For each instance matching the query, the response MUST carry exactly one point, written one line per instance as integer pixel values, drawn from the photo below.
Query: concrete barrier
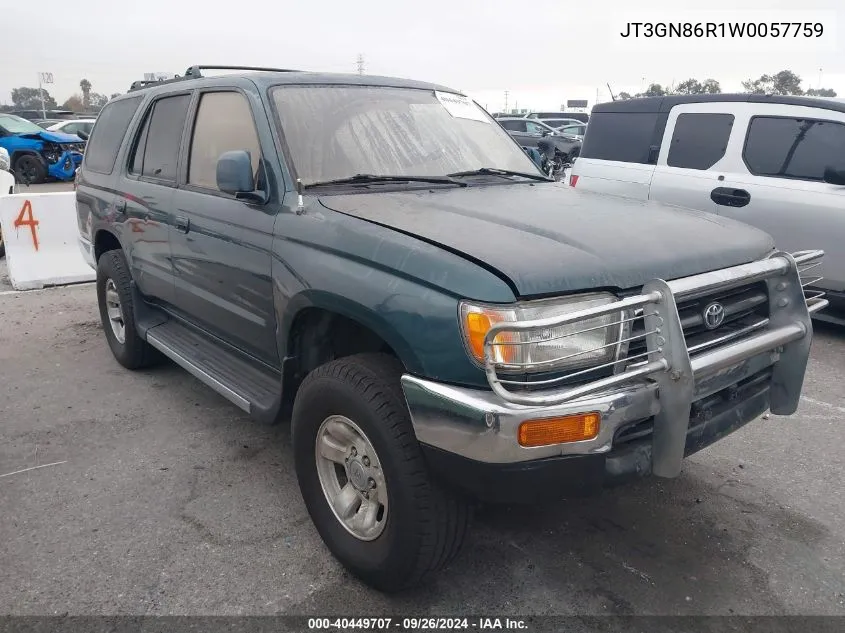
(7, 183)
(40, 234)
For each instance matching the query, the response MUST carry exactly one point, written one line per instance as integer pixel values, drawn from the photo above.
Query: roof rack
(195, 72)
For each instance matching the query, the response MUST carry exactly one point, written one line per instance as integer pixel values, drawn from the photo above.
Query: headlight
(584, 343)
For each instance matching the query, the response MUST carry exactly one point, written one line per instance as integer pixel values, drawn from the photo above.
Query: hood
(548, 238)
(53, 137)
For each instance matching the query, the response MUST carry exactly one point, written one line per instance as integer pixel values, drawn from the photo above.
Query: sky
(541, 52)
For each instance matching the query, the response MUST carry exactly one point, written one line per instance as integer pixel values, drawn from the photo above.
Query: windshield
(17, 125)
(336, 132)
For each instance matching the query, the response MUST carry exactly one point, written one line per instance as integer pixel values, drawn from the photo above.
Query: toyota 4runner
(446, 323)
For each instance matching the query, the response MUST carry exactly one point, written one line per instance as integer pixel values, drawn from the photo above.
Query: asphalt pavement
(157, 496)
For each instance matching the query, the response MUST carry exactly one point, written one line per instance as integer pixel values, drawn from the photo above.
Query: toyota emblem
(714, 315)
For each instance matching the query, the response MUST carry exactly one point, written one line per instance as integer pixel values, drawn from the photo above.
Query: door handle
(730, 197)
(183, 224)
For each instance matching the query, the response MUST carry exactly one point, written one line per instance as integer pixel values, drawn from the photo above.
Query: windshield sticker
(460, 106)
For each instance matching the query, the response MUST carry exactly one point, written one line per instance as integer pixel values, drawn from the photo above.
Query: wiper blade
(499, 172)
(364, 179)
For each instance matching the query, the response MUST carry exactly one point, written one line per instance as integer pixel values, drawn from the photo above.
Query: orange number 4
(25, 218)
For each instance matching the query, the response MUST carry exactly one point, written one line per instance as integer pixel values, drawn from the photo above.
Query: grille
(746, 308)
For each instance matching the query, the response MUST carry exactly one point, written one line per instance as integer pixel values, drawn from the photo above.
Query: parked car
(37, 153)
(74, 126)
(529, 133)
(33, 115)
(775, 162)
(446, 322)
(45, 123)
(582, 117)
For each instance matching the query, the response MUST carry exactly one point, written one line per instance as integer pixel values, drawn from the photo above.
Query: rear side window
(102, 148)
(514, 126)
(535, 128)
(786, 147)
(224, 123)
(699, 140)
(156, 152)
(620, 136)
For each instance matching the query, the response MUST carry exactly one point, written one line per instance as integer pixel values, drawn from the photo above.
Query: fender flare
(352, 310)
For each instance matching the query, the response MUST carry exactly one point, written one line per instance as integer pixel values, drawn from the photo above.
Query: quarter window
(224, 123)
(699, 140)
(785, 147)
(620, 136)
(106, 138)
(514, 126)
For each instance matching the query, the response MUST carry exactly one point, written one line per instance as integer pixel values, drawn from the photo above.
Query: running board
(251, 387)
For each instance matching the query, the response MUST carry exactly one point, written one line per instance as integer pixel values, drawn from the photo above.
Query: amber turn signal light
(569, 428)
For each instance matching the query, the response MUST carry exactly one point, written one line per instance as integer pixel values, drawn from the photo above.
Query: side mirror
(545, 133)
(834, 176)
(234, 176)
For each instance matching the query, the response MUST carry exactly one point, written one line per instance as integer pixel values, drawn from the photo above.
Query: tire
(113, 277)
(30, 170)
(2, 245)
(424, 525)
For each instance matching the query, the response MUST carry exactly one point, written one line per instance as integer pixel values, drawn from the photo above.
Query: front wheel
(30, 170)
(363, 477)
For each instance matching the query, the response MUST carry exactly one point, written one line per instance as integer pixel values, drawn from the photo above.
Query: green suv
(445, 323)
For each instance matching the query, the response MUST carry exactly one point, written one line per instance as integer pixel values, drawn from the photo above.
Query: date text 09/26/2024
(417, 624)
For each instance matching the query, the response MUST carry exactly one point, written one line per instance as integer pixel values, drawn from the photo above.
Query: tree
(711, 87)
(623, 96)
(785, 82)
(116, 94)
(653, 90)
(74, 103)
(85, 86)
(696, 87)
(30, 99)
(821, 92)
(689, 87)
(96, 101)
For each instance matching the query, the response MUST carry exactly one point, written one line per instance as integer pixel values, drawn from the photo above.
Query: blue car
(38, 154)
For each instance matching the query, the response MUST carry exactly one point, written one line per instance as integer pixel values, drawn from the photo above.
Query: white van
(775, 162)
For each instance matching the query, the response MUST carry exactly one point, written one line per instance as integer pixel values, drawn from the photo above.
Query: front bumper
(65, 167)
(688, 400)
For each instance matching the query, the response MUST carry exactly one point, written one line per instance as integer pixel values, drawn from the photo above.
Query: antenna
(612, 96)
(360, 62)
(506, 101)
